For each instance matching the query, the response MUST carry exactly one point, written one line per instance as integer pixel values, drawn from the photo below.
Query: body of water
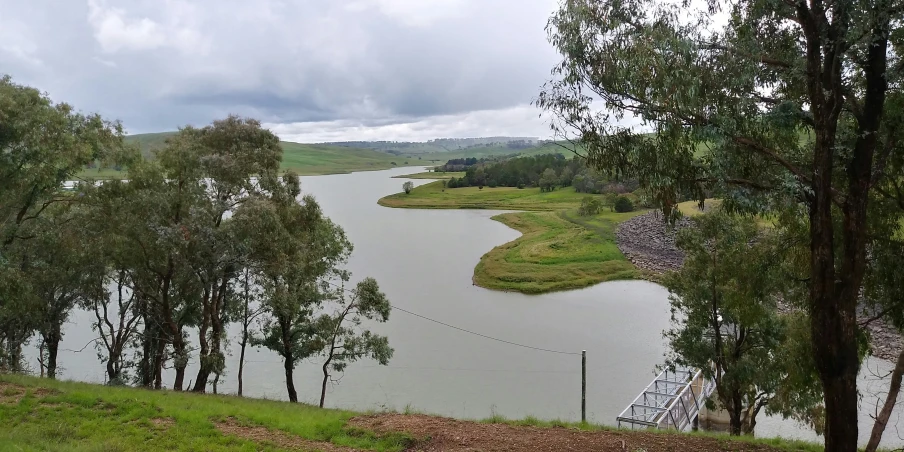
(424, 262)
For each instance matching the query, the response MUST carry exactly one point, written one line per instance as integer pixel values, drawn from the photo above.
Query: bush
(590, 205)
(623, 204)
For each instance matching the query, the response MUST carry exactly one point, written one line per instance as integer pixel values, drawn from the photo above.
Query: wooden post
(584, 386)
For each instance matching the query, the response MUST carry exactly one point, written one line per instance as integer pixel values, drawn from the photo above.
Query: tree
(590, 205)
(345, 344)
(407, 186)
(723, 302)
(788, 99)
(548, 180)
(623, 204)
(250, 311)
(566, 177)
(297, 251)
(43, 144)
(55, 259)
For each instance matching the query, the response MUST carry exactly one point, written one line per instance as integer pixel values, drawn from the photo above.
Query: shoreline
(649, 243)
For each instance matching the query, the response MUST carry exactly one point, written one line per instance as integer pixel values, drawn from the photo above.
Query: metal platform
(671, 401)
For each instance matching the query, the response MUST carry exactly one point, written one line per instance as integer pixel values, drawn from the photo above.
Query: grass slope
(45, 415)
(557, 251)
(66, 416)
(434, 196)
(305, 159)
(431, 175)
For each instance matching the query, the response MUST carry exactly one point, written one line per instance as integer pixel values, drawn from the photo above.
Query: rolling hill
(305, 159)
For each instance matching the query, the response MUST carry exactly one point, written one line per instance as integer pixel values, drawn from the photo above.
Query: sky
(310, 70)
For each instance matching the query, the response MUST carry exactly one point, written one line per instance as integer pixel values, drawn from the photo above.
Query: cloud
(522, 120)
(160, 64)
(116, 31)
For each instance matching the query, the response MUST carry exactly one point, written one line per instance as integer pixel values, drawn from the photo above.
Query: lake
(424, 261)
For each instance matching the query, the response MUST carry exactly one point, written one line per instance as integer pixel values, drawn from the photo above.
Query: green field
(431, 175)
(66, 416)
(305, 159)
(434, 196)
(557, 251)
(45, 415)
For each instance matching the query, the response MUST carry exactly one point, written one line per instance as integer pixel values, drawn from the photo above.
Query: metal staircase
(671, 401)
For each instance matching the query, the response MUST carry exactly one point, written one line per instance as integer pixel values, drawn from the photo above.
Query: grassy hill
(305, 159)
(45, 415)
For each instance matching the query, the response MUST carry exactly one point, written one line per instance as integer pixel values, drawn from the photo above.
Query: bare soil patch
(232, 427)
(163, 423)
(451, 435)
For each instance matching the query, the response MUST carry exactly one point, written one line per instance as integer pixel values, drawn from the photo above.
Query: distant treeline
(546, 171)
(442, 144)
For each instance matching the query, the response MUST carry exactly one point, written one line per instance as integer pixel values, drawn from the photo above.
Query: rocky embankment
(649, 243)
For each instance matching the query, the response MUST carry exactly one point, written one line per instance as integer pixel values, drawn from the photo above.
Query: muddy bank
(649, 243)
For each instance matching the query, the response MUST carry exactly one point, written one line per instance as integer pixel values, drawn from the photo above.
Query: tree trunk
(290, 384)
(158, 363)
(112, 373)
(53, 345)
(242, 359)
(326, 377)
(734, 415)
(890, 400)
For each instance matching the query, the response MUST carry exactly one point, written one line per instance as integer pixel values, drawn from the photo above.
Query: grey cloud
(159, 64)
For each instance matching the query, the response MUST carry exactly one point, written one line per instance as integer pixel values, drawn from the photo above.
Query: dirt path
(444, 434)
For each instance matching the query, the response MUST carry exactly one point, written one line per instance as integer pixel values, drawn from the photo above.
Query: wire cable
(468, 331)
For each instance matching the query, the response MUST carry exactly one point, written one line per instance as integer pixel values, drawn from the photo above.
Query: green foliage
(724, 301)
(346, 341)
(590, 206)
(786, 110)
(623, 204)
(407, 186)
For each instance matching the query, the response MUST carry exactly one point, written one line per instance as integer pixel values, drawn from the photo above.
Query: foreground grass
(431, 175)
(434, 196)
(557, 251)
(82, 417)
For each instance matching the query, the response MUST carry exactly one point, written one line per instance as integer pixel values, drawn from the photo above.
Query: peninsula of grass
(431, 175)
(434, 196)
(558, 250)
(45, 415)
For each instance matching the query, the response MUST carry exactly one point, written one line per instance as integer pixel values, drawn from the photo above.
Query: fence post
(584, 386)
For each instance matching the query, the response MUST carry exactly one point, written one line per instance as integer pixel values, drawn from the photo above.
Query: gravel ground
(649, 244)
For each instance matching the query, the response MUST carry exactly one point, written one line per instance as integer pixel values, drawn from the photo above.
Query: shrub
(623, 204)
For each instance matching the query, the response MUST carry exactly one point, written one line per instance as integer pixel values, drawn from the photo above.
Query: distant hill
(305, 159)
(443, 144)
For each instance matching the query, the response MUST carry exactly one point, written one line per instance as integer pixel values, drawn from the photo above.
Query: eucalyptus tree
(297, 251)
(238, 159)
(344, 340)
(725, 321)
(771, 104)
(249, 308)
(42, 144)
(55, 260)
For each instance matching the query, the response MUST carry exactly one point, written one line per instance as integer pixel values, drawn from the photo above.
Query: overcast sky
(312, 70)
